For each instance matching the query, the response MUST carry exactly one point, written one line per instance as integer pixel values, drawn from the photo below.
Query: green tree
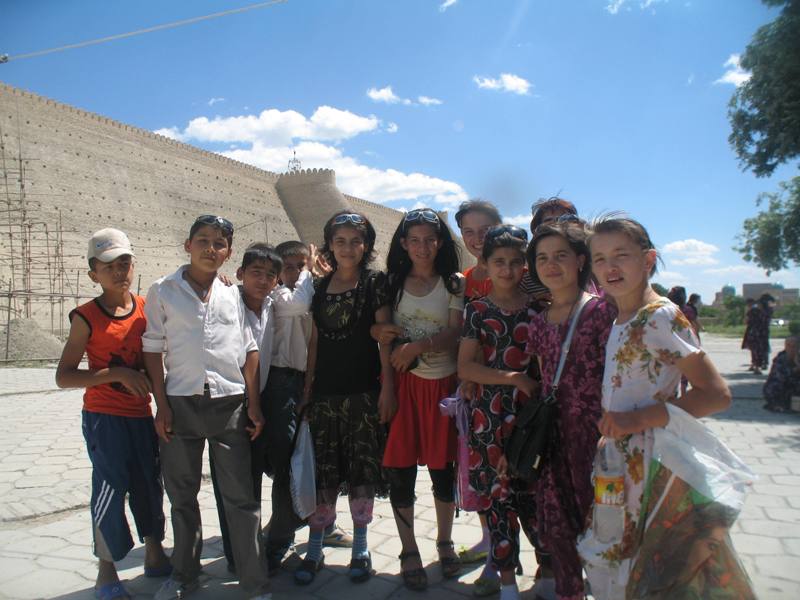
(765, 111)
(659, 289)
(734, 310)
(771, 239)
(765, 118)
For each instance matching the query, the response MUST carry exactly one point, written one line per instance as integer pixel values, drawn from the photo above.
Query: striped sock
(314, 551)
(359, 541)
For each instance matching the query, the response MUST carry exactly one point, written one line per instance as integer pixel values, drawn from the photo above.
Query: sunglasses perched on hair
(565, 218)
(352, 218)
(215, 221)
(512, 230)
(422, 214)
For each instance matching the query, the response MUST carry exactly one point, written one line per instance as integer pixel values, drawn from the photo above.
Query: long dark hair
(364, 227)
(398, 264)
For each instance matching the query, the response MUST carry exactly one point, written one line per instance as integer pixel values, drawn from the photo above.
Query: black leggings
(402, 481)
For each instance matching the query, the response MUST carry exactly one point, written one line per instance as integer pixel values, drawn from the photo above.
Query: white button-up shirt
(263, 330)
(292, 323)
(203, 342)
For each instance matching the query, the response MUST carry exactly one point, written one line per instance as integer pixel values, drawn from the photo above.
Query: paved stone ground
(45, 539)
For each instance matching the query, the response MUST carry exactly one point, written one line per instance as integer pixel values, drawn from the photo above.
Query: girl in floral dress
(497, 326)
(650, 345)
(559, 257)
(346, 404)
(426, 296)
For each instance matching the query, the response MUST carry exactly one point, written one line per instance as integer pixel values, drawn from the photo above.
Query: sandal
(360, 569)
(155, 572)
(486, 586)
(307, 571)
(468, 556)
(414, 579)
(451, 566)
(110, 591)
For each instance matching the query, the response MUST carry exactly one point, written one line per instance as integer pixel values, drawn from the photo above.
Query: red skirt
(419, 433)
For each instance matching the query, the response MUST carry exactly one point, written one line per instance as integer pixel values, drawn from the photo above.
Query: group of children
(365, 357)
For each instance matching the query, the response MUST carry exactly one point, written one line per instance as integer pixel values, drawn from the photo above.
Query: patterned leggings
(504, 518)
(325, 514)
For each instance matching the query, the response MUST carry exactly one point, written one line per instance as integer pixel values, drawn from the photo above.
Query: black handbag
(534, 428)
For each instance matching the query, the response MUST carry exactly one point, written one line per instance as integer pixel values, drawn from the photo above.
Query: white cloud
(387, 96)
(277, 127)
(507, 82)
(691, 252)
(522, 220)
(669, 278)
(735, 75)
(268, 139)
(744, 270)
(428, 101)
(614, 6)
(446, 4)
(214, 101)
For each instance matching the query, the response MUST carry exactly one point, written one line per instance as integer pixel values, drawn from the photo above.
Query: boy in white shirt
(258, 275)
(198, 325)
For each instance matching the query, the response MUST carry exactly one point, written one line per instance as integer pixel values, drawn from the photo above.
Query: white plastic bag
(303, 473)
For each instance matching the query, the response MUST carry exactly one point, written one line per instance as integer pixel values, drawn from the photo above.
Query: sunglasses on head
(216, 221)
(512, 230)
(423, 215)
(352, 218)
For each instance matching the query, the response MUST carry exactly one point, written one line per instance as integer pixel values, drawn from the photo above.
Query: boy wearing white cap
(117, 421)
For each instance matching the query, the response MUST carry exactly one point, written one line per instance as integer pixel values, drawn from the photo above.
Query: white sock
(509, 592)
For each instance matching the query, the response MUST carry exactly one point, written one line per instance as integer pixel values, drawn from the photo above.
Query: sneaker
(172, 589)
(338, 538)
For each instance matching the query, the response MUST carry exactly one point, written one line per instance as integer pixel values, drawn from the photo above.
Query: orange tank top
(114, 342)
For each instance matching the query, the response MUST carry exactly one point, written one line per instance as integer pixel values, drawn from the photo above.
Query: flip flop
(110, 591)
(467, 556)
(154, 572)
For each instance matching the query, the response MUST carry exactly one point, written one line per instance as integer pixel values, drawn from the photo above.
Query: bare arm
(251, 381)
(311, 365)
(68, 375)
(154, 366)
(387, 401)
(469, 369)
(446, 340)
(709, 394)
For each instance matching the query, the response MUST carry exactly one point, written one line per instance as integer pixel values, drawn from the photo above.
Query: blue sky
(616, 104)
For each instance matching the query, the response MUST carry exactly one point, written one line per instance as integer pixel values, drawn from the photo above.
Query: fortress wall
(100, 173)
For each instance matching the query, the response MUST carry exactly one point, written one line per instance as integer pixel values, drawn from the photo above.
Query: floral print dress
(640, 371)
(564, 490)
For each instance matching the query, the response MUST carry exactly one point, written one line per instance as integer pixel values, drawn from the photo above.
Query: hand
(525, 384)
(387, 404)
(385, 333)
(136, 382)
(502, 466)
(318, 266)
(225, 279)
(619, 424)
(163, 423)
(469, 390)
(257, 420)
(403, 356)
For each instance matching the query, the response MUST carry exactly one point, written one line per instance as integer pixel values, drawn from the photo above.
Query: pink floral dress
(564, 491)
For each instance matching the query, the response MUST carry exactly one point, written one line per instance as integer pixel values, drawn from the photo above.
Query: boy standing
(258, 276)
(211, 360)
(117, 422)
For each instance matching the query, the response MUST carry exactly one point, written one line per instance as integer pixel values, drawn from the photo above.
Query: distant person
(548, 210)
(197, 330)
(758, 332)
(749, 303)
(677, 295)
(692, 312)
(117, 422)
(784, 378)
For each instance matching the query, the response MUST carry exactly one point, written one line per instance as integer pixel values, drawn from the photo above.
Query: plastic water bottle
(608, 521)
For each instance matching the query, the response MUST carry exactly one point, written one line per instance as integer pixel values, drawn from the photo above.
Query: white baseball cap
(108, 244)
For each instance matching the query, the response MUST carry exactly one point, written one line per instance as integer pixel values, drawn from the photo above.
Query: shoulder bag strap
(568, 340)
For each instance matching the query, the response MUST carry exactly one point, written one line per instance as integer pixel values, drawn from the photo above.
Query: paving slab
(45, 527)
